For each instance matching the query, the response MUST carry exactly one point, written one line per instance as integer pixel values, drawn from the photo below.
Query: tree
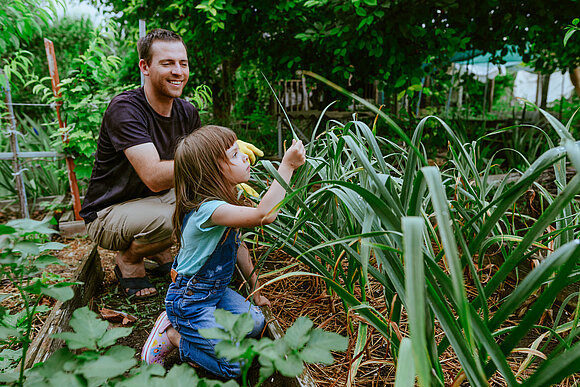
(22, 19)
(219, 35)
(396, 42)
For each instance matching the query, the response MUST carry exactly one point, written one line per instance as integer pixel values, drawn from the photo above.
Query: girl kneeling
(208, 214)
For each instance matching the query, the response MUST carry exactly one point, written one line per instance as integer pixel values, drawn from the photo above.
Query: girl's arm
(247, 268)
(242, 216)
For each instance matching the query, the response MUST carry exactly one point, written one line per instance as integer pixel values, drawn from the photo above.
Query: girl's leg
(193, 347)
(188, 317)
(237, 304)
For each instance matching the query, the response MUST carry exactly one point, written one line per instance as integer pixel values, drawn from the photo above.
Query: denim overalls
(191, 302)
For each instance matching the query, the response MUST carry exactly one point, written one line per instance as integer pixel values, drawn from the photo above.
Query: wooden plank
(90, 273)
(72, 228)
(29, 155)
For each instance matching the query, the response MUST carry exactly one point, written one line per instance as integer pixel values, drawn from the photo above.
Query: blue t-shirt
(197, 242)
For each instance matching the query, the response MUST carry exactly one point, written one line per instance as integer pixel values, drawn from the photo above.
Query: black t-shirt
(128, 121)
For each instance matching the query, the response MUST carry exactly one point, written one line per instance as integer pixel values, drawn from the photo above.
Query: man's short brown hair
(144, 44)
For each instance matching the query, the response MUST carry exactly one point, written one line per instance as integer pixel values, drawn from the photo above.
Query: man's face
(169, 69)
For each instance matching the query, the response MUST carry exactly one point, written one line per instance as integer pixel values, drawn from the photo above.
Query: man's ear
(143, 66)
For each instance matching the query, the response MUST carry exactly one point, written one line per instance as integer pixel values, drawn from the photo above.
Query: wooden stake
(14, 146)
(70, 164)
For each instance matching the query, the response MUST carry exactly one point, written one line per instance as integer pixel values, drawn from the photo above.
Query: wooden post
(142, 33)
(304, 94)
(14, 146)
(70, 164)
(279, 127)
(491, 91)
(538, 89)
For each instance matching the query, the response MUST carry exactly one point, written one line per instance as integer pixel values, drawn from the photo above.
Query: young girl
(208, 213)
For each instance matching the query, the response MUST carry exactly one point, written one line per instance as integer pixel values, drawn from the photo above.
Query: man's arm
(155, 173)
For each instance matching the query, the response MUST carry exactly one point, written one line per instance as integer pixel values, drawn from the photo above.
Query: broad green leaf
(107, 367)
(181, 376)
(4, 229)
(59, 379)
(52, 246)
(110, 337)
(27, 248)
(215, 333)
(9, 377)
(243, 326)
(299, 333)
(291, 366)
(229, 350)
(329, 340)
(88, 329)
(8, 332)
(58, 292)
(316, 355)
(146, 376)
(45, 260)
(225, 319)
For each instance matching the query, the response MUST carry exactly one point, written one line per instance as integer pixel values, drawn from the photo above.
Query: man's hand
(250, 150)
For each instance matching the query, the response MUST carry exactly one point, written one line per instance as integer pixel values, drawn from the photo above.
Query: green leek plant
(42, 177)
(365, 208)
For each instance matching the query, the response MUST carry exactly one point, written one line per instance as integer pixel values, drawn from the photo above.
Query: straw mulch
(70, 256)
(307, 296)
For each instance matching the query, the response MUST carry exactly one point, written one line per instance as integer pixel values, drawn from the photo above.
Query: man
(129, 201)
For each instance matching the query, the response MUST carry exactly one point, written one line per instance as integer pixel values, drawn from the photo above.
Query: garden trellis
(15, 154)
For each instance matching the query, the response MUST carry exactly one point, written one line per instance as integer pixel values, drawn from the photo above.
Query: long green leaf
(415, 288)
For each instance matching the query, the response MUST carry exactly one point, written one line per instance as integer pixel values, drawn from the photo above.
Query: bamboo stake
(14, 146)
(70, 164)
(142, 33)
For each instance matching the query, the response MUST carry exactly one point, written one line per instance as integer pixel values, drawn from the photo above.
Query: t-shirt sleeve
(205, 212)
(127, 125)
(195, 120)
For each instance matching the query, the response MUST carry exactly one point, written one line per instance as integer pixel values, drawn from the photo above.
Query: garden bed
(291, 298)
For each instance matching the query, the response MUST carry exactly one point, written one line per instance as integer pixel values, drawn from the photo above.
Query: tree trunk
(223, 89)
(575, 78)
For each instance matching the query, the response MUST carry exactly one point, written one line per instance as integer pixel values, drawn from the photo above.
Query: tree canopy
(395, 42)
(20, 20)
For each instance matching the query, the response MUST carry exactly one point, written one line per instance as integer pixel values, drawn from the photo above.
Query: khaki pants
(145, 221)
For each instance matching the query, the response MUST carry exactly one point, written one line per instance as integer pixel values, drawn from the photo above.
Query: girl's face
(237, 169)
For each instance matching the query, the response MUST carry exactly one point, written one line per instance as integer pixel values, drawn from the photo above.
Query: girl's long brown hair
(198, 175)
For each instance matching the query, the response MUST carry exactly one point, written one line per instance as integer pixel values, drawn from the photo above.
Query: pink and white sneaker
(157, 345)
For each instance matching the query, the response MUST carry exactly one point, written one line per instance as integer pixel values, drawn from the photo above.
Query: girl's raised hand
(295, 156)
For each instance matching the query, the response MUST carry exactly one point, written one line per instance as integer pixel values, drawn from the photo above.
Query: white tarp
(526, 84)
(482, 72)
